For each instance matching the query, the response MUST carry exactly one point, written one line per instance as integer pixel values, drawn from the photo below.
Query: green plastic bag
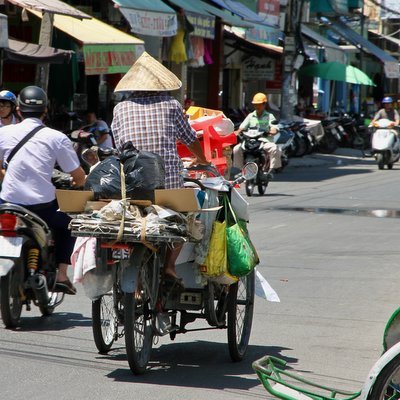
(242, 255)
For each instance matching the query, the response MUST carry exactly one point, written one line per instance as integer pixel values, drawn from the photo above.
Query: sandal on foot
(66, 287)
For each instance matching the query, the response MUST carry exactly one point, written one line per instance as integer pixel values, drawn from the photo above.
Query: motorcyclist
(8, 104)
(100, 129)
(27, 181)
(260, 119)
(387, 112)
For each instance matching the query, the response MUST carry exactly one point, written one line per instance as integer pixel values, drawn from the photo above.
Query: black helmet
(32, 99)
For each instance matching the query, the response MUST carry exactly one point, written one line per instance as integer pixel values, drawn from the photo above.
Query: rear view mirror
(250, 170)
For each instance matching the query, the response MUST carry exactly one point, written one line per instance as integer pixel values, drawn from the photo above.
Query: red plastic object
(211, 142)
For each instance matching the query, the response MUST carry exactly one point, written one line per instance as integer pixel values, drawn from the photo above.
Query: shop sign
(263, 34)
(110, 59)
(150, 23)
(270, 10)
(204, 26)
(261, 69)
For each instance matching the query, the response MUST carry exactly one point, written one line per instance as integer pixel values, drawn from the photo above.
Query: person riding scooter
(8, 104)
(260, 119)
(387, 112)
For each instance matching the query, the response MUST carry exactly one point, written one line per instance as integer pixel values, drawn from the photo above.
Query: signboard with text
(261, 69)
(110, 59)
(150, 23)
(204, 26)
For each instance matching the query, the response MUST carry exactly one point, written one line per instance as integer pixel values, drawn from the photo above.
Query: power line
(384, 7)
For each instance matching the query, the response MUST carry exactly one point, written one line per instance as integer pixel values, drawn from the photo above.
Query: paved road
(336, 272)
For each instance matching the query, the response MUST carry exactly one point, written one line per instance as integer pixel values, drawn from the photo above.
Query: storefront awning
(106, 49)
(250, 47)
(239, 9)
(391, 65)
(50, 6)
(226, 17)
(333, 52)
(30, 53)
(149, 17)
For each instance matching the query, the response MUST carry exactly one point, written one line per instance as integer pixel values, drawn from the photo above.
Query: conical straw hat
(147, 74)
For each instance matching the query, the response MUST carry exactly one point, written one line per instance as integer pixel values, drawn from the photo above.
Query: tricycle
(133, 300)
(382, 383)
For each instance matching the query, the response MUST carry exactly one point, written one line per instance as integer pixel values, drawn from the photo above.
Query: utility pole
(291, 58)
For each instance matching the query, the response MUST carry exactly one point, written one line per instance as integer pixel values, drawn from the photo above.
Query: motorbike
(385, 145)
(252, 146)
(284, 139)
(28, 269)
(383, 380)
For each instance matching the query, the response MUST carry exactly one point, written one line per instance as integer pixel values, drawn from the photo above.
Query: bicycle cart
(137, 304)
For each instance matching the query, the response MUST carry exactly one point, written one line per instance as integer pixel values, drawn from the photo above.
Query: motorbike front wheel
(11, 286)
(387, 384)
(380, 160)
(249, 188)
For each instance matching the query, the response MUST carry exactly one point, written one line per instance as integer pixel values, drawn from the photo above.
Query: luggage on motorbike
(144, 172)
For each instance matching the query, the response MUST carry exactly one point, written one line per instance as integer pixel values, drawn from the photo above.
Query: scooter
(28, 269)
(252, 146)
(383, 380)
(385, 144)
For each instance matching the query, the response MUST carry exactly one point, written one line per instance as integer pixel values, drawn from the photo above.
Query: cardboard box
(195, 112)
(73, 200)
(181, 200)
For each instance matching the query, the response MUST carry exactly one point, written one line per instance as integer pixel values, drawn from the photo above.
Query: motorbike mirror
(250, 170)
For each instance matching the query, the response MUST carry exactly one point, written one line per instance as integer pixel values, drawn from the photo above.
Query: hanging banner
(110, 58)
(150, 23)
(204, 26)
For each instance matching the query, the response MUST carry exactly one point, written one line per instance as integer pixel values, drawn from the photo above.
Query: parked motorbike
(284, 139)
(385, 144)
(28, 269)
(252, 146)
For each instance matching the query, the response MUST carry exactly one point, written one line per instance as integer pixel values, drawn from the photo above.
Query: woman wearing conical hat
(153, 121)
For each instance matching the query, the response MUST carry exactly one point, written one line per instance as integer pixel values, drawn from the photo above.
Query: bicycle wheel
(104, 322)
(240, 315)
(139, 312)
(387, 384)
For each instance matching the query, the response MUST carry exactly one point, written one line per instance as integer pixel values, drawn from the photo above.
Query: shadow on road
(58, 321)
(200, 364)
(319, 174)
